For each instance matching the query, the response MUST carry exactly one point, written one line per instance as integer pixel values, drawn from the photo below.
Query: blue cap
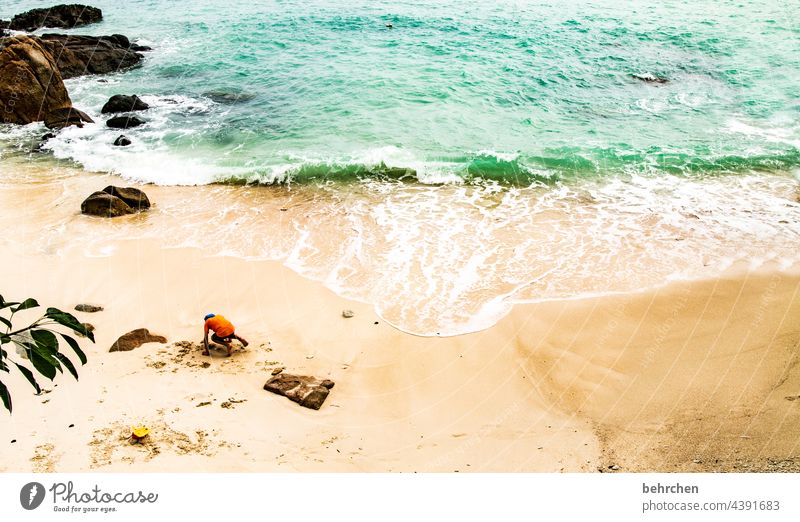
(207, 317)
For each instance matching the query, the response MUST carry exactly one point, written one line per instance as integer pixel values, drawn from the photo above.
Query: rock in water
(134, 197)
(30, 83)
(135, 339)
(60, 118)
(105, 205)
(347, 314)
(123, 103)
(125, 122)
(306, 391)
(88, 308)
(77, 55)
(61, 16)
(649, 78)
(122, 141)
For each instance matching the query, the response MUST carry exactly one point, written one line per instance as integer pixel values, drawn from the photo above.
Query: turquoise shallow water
(513, 91)
(488, 153)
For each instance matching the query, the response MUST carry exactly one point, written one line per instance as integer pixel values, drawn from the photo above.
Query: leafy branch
(39, 341)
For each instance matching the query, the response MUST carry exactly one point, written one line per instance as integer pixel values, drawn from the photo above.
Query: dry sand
(694, 376)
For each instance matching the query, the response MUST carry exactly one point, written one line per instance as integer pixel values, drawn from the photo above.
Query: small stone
(347, 314)
(71, 425)
(88, 308)
(206, 403)
(13, 441)
(614, 468)
(276, 371)
(310, 356)
(697, 461)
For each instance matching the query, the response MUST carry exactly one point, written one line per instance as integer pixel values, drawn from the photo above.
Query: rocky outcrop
(125, 122)
(123, 103)
(122, 141)
(78, 55)
(65, 16)
(60, 118)
(31, 86)
(306, 391)
(115, 201)
(135, 339)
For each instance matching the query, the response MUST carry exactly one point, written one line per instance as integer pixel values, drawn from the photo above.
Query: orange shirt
(221, 326)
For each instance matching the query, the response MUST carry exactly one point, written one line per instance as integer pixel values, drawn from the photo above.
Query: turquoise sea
(483, 152)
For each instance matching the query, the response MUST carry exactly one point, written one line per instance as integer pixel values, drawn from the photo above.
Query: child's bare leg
(229, 348)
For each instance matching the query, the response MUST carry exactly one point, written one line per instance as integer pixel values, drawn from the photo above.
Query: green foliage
(40, 343)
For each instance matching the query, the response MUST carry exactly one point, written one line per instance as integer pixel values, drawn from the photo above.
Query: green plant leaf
(7, 304)
(68, 364)
(3, 356)
(68, 320)
(26, 304)
(4, 339)
(5, 396)
(75, 347)
(5, 322)
(29, 375)
(46, 340)
(43, 362)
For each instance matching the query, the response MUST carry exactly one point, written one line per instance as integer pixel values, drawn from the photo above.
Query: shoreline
(532, 393)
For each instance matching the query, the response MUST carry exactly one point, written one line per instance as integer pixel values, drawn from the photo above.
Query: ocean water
(474, 154)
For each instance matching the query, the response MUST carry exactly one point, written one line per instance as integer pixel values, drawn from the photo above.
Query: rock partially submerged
(306, 391)
(125, 122)
(31, 86)
(135, 339)
(77, 55)
(64, 16)
(649, 78)
(60, 118)
(115, 201)
(124, 103)
(122, 141)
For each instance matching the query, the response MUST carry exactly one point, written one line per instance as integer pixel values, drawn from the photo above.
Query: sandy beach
(692, 376)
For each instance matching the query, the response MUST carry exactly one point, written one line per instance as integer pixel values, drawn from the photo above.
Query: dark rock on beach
(64, 16)
(115, 201)
(30, 83)
(78, 55)
(306, 391)
(4, 27)
(60, 118)
(125, 122)
(124, 103)
(133, 197)
(135, 339)
(88, 308)
(105, 205)
(122, 141)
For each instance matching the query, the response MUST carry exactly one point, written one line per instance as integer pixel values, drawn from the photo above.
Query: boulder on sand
(125, 122)
(134, 197)
(77, 55)
(123, 103)
(135, 339)
(122, 141)
(64, 16)
(115, 201)
(306, 391)
(104, 204)
(31, 86)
